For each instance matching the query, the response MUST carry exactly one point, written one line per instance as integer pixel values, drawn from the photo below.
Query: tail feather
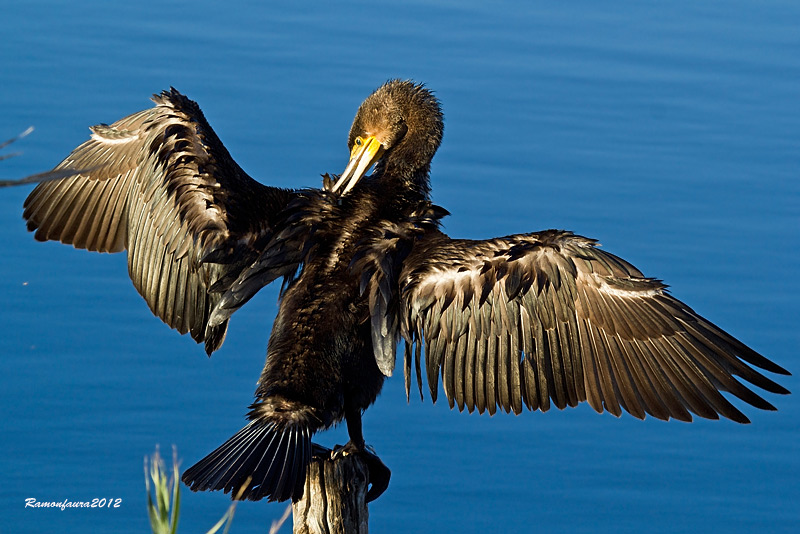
(235, 463)
(282, 468)
(301, 461)
(218, 470)
(275, 458)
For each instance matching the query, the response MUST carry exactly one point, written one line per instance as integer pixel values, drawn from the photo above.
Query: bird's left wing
(534, 319)
(161, 185)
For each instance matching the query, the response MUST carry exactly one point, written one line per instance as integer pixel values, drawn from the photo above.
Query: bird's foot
(318, 451)
(340, 451)
(378, 474)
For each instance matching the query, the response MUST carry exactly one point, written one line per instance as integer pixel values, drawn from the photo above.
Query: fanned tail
(275, 458)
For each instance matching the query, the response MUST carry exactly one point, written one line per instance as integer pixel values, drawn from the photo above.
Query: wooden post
(334, 498)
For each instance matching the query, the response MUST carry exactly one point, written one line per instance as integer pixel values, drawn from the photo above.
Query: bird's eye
(359, 141)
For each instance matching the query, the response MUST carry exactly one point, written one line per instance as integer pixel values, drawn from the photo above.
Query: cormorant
(528, 320)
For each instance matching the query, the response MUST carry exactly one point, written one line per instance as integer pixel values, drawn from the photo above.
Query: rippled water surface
(669, 131)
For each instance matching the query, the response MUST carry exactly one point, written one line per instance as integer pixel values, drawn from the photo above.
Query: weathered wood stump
(334, 499)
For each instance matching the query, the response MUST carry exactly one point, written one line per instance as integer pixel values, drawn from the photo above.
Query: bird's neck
(410, 185)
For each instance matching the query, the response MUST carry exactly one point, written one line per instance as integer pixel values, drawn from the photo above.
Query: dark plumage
(163, 187)
(525, 320)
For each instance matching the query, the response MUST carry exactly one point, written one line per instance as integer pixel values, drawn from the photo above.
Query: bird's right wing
(530, 319)
(160, 184)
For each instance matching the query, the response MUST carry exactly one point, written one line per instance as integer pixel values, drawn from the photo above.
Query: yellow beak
(362, 157)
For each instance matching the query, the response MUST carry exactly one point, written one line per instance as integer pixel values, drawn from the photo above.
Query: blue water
(669, 131)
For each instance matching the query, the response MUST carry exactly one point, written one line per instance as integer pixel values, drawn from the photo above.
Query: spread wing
(160, 184)
(547, 318)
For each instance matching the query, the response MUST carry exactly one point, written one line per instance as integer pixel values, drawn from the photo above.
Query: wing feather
(459, 370)
(161, 185)
(591, 373)
(470, 357)
(417, 367)
(503, 371)
(530, 393)
(480, 373)
(542, 318)
(490, 374)
(449, 371)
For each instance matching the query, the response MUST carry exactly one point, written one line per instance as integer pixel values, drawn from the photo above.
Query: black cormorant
(527, 320)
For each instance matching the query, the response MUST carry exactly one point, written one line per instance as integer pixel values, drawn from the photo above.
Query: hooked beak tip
(361, 160)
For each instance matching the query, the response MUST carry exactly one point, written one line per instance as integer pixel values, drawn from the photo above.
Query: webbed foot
(379, 474)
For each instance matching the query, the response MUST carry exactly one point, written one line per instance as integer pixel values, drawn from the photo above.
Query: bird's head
(398, 129)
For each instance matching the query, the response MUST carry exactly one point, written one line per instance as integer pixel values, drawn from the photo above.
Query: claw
(340, 451)
(378, 474)
(318, 451)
